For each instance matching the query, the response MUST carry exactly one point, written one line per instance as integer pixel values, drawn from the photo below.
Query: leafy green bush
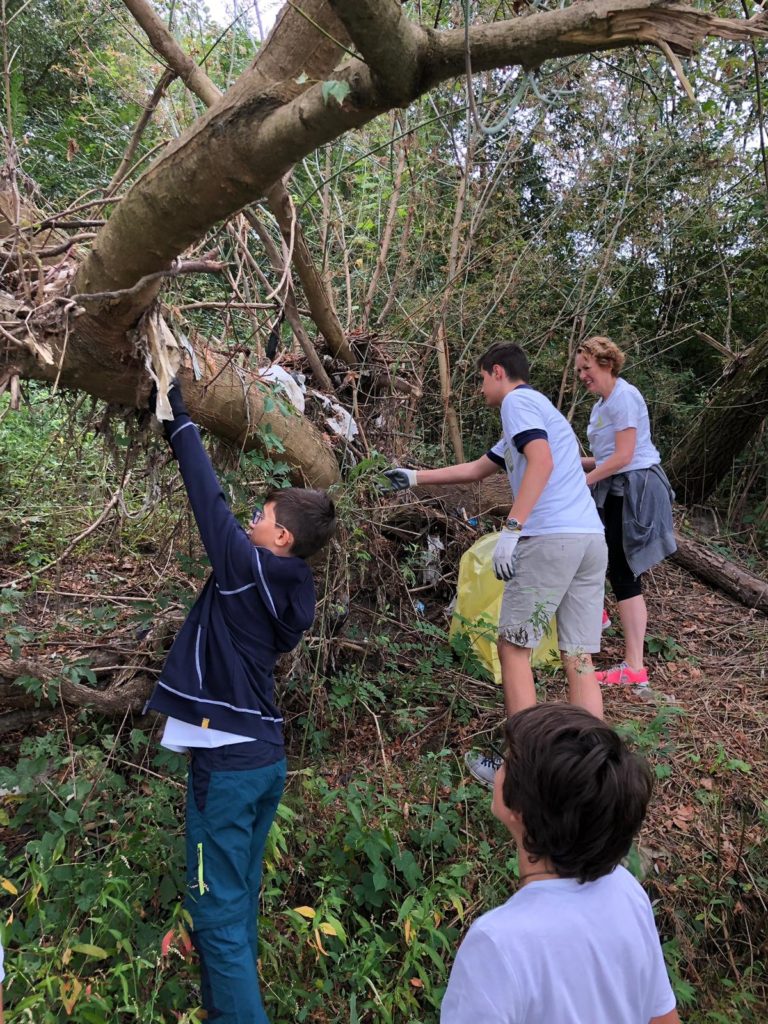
(366, 886)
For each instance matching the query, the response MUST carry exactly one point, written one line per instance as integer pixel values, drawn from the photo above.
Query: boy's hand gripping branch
(175, 398)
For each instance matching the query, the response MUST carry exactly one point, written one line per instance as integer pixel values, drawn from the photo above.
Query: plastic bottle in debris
(430, 560)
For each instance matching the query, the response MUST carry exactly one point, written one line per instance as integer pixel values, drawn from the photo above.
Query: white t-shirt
(180, 736)
(565, 505)
(625, 407)
(559, 952)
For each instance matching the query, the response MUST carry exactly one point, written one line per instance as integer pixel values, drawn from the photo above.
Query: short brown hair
(581, 793)
(605, 352)
(510, 357)
(309, 515)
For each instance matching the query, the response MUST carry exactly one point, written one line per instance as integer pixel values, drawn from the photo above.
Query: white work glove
(504, 554)
(400, 479)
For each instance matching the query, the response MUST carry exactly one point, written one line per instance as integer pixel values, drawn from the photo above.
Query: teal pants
(232, 799)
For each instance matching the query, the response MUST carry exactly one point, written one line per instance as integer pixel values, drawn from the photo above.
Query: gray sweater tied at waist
(648, 530)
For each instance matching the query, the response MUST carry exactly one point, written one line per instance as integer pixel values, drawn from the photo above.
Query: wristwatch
(513, 524)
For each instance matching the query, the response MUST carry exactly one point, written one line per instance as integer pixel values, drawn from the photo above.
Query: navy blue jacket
(253, 608)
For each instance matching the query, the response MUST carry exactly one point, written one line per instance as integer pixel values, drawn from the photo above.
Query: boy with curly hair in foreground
(577, 943)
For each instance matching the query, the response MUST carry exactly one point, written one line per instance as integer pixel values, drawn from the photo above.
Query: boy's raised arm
(219, 529)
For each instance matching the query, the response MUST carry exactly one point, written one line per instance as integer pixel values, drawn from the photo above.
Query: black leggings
(623, 581)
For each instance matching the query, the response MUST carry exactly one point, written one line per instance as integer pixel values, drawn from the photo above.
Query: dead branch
(57, 250)
(721, 572)
(146, 116)
(178, 267)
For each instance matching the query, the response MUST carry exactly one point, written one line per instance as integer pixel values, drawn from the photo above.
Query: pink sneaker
(606, 623)
(623, 675)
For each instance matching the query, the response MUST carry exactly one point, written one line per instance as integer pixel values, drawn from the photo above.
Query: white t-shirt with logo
(624, 408)
(565, 504)
(559, 952)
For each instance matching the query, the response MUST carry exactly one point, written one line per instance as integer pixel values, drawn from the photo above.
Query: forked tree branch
(250, 137)
(201, 85)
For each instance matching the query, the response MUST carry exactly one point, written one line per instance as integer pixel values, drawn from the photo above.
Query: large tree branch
(254, 133)
(267, 60)
(250, 137)
(234, 404)
(584, 27)
(389, 41)
(188, 70)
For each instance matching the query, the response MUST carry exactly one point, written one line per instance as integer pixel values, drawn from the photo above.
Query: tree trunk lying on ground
(713, 568)
(121, 696)
(127, 689)
(492, 497)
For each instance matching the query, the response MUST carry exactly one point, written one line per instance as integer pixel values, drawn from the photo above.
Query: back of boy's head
(309, 515)
(509, 357)
(581, 793)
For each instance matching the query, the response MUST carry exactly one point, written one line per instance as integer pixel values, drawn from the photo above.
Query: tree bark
(723, 429)
(113, 700)
(713, 568)
(265, 124)
(272, 57)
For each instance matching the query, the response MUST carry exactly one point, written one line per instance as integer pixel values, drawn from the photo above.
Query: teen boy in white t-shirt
(577, 943)
(551, 553)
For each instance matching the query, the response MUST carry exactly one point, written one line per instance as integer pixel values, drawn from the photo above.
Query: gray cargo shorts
(560, 574)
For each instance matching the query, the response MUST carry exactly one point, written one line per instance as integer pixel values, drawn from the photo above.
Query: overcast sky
(223, 11)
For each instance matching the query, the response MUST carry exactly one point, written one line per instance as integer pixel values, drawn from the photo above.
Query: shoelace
(492, 760)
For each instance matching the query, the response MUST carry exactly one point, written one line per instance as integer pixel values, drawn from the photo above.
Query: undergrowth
(382, 853)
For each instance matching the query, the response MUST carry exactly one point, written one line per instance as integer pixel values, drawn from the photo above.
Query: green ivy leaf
(338, 90)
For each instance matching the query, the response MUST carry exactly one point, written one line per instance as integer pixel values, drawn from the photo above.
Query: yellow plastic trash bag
(478, 604)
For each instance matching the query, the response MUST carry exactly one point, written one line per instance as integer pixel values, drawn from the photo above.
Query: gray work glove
(504, 554)
(399, 479)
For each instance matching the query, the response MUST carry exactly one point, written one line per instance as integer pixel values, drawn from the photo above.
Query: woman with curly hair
(631, 492)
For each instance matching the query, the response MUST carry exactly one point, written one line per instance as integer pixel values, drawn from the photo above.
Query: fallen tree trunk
(713, 568)
(116, 699)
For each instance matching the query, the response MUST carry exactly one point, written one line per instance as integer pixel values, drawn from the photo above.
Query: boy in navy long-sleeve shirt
(217, 687)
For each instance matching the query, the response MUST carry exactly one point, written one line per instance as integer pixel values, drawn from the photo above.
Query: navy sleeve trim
(526, 436)
(497, 459)
(183, 426)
